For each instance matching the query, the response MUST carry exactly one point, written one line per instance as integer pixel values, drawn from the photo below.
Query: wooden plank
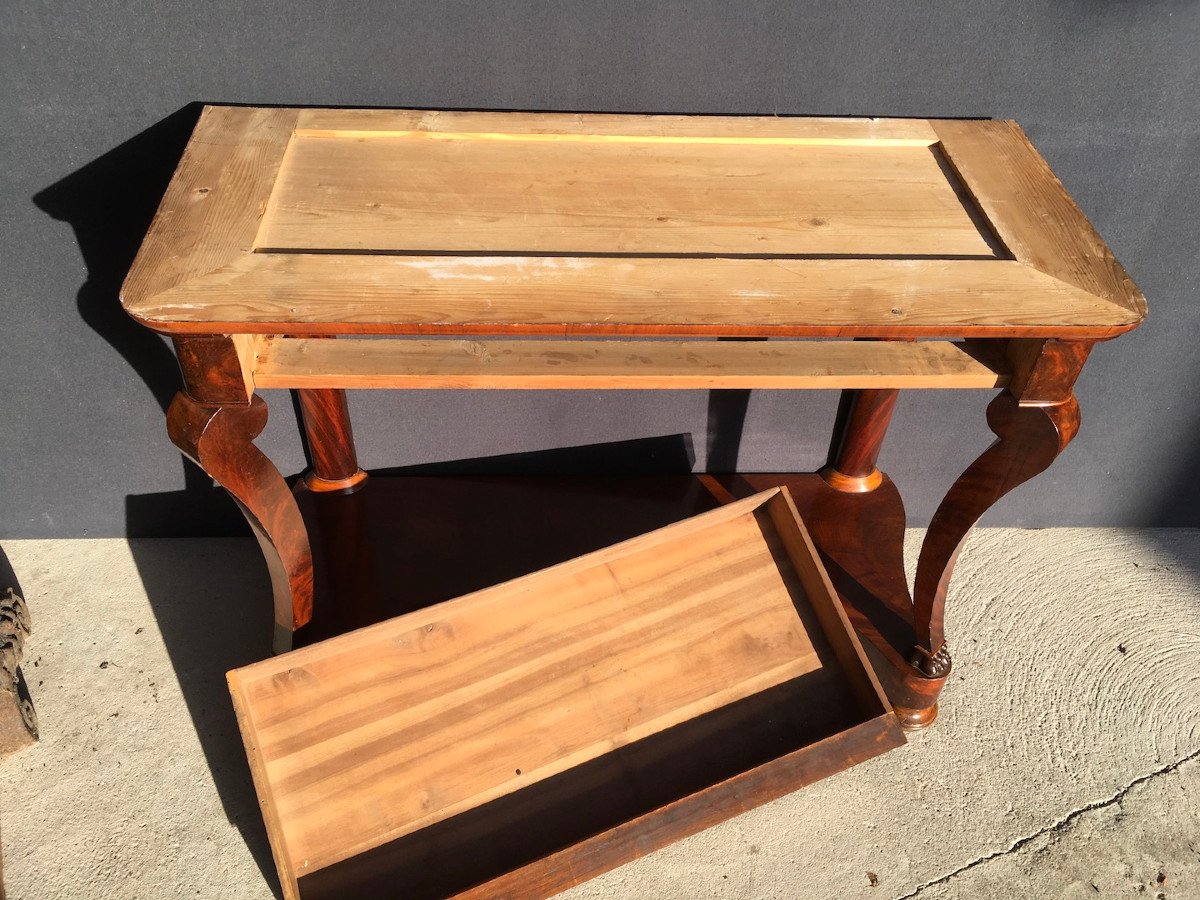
(824, 598)
(353, 123)
(474, 193)
(276, 836)
(1032, 212)
(655, 365)
(367, 740)
(315, 294)
(443, 700)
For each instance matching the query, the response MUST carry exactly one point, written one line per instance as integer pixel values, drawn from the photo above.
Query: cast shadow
(726, 420)
(670, 454)
(211, 603)
(418, 535)
(1176, 505)
(109, 204)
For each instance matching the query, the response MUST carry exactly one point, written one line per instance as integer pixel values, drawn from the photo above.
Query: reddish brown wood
(345, 584)
(212, 371)
(330, 441)
(881, 331)
(219, 439)
(914, 695)
(1034, 420)
(863, 418)
(860, 536)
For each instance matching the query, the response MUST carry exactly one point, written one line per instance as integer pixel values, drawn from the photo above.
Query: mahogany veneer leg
(865, 535)
(219, 439)
(1034, 420)
(330, 441)
(863, 418)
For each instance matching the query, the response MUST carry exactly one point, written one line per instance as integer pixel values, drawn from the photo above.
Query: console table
(528, 250)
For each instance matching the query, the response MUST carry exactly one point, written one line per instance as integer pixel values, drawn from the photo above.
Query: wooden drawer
(523, 738)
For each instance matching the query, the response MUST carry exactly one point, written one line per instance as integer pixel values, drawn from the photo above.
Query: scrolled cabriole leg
(219, 439)
(214, 421)
(1034, 420)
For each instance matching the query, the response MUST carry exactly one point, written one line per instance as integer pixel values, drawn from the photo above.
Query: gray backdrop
(97, 99)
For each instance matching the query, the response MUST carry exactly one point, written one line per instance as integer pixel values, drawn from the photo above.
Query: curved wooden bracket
(219, 439)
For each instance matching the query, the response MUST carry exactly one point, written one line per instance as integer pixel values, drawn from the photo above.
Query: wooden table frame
(921, 323)
(215, 420)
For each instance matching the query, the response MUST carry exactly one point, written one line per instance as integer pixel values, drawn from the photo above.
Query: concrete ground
(1066, 762)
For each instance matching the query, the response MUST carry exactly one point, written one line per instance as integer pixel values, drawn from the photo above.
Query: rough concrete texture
(1066, 762)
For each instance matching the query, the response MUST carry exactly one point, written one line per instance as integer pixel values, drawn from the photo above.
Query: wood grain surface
(1031, 211)
(586, 364)
(361, 741)
(1034, 420)
(220, 439)
(325, 416)
(434, 124)
(409, 222)
(506, 194)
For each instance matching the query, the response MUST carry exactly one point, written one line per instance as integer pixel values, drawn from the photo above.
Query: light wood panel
(613, 196)
(318, 294)
(545, 204)
(817, 129)
(586, 364)
(1032, 212)
(363, 739)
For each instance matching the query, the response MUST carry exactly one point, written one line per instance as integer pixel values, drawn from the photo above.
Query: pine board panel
(327, 293)
(648, 365)
(519, 196)
(369, 739)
